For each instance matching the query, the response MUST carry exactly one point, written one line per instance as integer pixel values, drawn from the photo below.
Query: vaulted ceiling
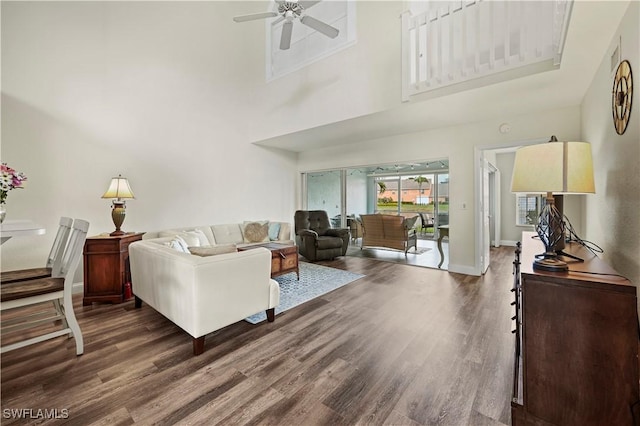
(589, 35)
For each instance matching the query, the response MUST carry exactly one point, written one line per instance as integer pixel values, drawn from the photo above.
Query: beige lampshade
(119, 188)
(556, 167)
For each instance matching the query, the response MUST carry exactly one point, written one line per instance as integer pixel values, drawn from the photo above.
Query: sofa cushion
(410, 222)
(192, 236)
(255, 232)
(178, 244)
(274, 231)
(329, 242)
(227, 234)
(213, 250)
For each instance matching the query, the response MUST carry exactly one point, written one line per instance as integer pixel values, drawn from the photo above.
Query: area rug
(315, 280)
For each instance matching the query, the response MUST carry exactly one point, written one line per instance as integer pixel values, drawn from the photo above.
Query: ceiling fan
(288, 11)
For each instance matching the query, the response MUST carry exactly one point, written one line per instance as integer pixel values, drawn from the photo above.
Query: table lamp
(553, 168)
(119, 190)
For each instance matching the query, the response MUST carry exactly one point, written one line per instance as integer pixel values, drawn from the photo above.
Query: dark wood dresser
(106, 267)
(577, 338)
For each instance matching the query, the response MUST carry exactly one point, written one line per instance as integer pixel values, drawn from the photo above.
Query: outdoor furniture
(390, 231)
(426, 221)
(355, 228)
(443, 231)
(316, 238)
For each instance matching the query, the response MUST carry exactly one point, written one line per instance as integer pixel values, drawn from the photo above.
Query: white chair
(57, 289)
(54, 261)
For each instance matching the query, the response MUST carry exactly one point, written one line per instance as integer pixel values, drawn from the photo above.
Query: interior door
(486, 232)
(497, 220)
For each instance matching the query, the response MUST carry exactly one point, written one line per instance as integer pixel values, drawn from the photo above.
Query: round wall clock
(622, 96)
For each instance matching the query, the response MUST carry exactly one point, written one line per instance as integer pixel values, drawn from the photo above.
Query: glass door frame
(434, 176)
(343, 185)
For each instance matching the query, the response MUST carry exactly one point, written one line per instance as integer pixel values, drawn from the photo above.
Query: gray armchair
(316, 239)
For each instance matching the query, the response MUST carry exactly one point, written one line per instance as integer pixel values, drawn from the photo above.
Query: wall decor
(622, 97)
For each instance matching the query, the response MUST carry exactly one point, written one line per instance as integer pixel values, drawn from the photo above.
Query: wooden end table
(284, 257)
(106, 267)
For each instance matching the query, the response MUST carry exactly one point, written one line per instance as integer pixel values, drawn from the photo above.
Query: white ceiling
(590, 32)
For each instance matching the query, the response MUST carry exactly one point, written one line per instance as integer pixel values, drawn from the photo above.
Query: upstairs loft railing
(450, 42)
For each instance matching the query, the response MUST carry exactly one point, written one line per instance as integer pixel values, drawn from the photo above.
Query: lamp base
(549, 262)
(118, 213)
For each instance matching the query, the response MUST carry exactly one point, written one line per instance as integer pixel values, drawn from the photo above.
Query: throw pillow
(178, 244)
(274, 230)
(194, 238)
(213, 250)
(256, 232)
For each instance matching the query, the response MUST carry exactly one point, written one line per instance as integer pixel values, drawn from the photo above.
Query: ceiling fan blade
(285, 39)
(306, 4)
(320, 26)
(277, 21)
(254, 16)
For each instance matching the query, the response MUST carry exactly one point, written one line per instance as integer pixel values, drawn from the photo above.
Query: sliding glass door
(426, 195)
(324, 191)
(403, 189)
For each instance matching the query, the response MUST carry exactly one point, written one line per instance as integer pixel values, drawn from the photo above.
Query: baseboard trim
(78, 288)
(508, 243)
(463, 269)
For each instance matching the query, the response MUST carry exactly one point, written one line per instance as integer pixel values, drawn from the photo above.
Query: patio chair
(426, 220)
(355, 228)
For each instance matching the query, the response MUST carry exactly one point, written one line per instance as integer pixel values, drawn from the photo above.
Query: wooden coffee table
(284, 257)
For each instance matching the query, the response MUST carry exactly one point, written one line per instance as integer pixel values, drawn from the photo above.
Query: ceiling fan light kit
(288, 12)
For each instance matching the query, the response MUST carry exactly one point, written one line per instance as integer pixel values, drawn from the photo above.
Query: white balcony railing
(448, 42)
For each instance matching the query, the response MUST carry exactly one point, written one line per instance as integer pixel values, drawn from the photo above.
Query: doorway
(491, 193)
(409, 189)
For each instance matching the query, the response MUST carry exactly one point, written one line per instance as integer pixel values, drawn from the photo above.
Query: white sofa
(204, 294)
(232, 233)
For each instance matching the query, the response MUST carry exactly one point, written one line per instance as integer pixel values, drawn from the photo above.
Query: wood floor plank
(120, 417)
(188, 396)
(403, 345)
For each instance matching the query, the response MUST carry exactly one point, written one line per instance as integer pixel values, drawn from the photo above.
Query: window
(528, 208)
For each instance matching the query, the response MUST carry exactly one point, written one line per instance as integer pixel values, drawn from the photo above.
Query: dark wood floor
(404, 346)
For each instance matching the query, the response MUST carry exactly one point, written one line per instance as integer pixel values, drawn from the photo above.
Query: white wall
(509, 232)
(360, 80)
(457, 144)
(612, 214)
(153, 90)
(171, 95)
